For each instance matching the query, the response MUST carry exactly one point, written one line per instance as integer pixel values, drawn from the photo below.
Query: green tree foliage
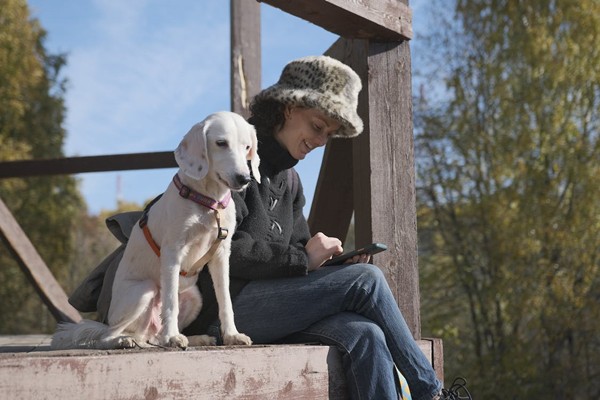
(31, 126)
(509, 197)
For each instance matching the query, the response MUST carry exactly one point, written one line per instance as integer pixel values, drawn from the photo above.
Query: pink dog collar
(199, 198)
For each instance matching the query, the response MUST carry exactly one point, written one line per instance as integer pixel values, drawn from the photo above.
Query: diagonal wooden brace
(34, 268)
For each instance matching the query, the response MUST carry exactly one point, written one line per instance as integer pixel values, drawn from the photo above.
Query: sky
(141, 72)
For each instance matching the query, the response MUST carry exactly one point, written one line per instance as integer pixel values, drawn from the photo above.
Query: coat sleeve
(252, 258)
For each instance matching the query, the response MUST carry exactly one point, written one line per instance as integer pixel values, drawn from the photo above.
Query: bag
(402, 385)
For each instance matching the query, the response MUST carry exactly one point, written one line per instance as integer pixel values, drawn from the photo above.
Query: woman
(280, 291)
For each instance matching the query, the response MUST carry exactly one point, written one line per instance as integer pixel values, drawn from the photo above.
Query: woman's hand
(361, 258)
(321, 248)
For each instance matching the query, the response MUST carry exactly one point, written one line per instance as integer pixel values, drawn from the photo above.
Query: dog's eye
(221, 143)
(247, 148)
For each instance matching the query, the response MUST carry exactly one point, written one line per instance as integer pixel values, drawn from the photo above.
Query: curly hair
(267, 115)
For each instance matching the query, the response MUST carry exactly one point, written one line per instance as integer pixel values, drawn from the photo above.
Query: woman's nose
(322, 139)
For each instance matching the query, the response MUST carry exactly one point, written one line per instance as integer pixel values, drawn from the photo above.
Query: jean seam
(347, 352)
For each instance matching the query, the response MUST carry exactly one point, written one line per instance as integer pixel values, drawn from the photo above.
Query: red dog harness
(203, 200)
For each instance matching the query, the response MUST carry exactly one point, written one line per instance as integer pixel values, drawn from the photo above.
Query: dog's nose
(243, 179)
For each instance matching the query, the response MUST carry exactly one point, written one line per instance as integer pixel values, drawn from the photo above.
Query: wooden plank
(437, 356)
(256, 372)
(274, 371)
(34, 268)
(357, 19)
(76, 165)
(384, 175)
(245, 54)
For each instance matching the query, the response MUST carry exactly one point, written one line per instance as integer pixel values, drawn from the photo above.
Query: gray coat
(95, 292)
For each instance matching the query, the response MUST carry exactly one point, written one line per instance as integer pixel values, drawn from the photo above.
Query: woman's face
(304, 130)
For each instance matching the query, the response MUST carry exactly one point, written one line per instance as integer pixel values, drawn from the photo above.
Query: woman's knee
(349, 329)
(367, 274)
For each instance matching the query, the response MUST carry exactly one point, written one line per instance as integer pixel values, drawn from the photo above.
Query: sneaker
(453, 393)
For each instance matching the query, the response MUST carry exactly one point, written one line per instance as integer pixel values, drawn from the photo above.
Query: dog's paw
(124, 342)
(202, 340)
(179, 340)
(237, 339)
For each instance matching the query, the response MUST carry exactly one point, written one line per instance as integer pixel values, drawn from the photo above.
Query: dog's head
(220, 147)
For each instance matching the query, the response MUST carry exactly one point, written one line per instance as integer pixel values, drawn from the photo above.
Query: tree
(509, 212)
(31, 126)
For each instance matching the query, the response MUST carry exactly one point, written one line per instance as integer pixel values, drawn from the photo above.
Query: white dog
(155, 297)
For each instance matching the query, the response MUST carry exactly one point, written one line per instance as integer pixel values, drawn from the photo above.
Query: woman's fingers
(361, 258)
(321, 248)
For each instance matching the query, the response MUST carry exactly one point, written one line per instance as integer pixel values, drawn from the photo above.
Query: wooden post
(245, 54)
(384, 174)
(34, 268)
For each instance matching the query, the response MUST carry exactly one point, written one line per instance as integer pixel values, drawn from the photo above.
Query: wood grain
(245, 54)
(384, 174)
(34, 268)
(357, 19)
(77, 165)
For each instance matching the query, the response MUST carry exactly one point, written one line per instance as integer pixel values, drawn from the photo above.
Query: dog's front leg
(219, 271)
(169, 294)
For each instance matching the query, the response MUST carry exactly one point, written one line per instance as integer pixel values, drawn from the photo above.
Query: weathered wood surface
(29, 370)
(332, 205)
(76, 165)
(384, 174)
(245, 54)
(384, 169)
(34, 267)
(381, 177)
(257, 372)
(364, 19)
(437, 356)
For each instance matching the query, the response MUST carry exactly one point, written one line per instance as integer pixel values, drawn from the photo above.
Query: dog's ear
(253, 154)
(191, 155)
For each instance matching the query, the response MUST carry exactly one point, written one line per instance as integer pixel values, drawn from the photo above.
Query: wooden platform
(30, 370)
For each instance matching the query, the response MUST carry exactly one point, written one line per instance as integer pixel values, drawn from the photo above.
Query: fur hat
(322, 83)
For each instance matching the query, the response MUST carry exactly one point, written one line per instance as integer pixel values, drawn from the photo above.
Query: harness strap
(221, 235)
(151, 242)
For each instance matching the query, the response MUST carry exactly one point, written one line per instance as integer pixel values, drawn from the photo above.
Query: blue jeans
(350, 307)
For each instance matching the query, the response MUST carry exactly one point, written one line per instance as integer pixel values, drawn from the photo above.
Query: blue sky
(142, 72)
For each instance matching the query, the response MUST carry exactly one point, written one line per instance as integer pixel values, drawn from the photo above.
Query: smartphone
(370, 249)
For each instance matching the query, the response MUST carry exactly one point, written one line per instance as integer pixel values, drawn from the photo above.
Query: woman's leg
(269, 310)
(366, 359)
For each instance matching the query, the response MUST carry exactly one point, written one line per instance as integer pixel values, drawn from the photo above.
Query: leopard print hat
(322, 83)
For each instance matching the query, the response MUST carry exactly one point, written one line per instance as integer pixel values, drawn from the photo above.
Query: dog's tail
(84, 334)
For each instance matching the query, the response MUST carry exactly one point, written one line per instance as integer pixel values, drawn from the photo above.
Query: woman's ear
(253, 154)
(191, 155)
(287, 113)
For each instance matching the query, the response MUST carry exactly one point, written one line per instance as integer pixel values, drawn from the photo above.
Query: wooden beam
(245, 54)
(358, 19)
(76, 165)
(333, 204)
(29, 370)
(34, 268)
(437, 356)
(232, 372)
(384, 174)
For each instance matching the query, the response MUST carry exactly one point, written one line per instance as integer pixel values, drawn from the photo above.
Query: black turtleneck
(271, 231)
